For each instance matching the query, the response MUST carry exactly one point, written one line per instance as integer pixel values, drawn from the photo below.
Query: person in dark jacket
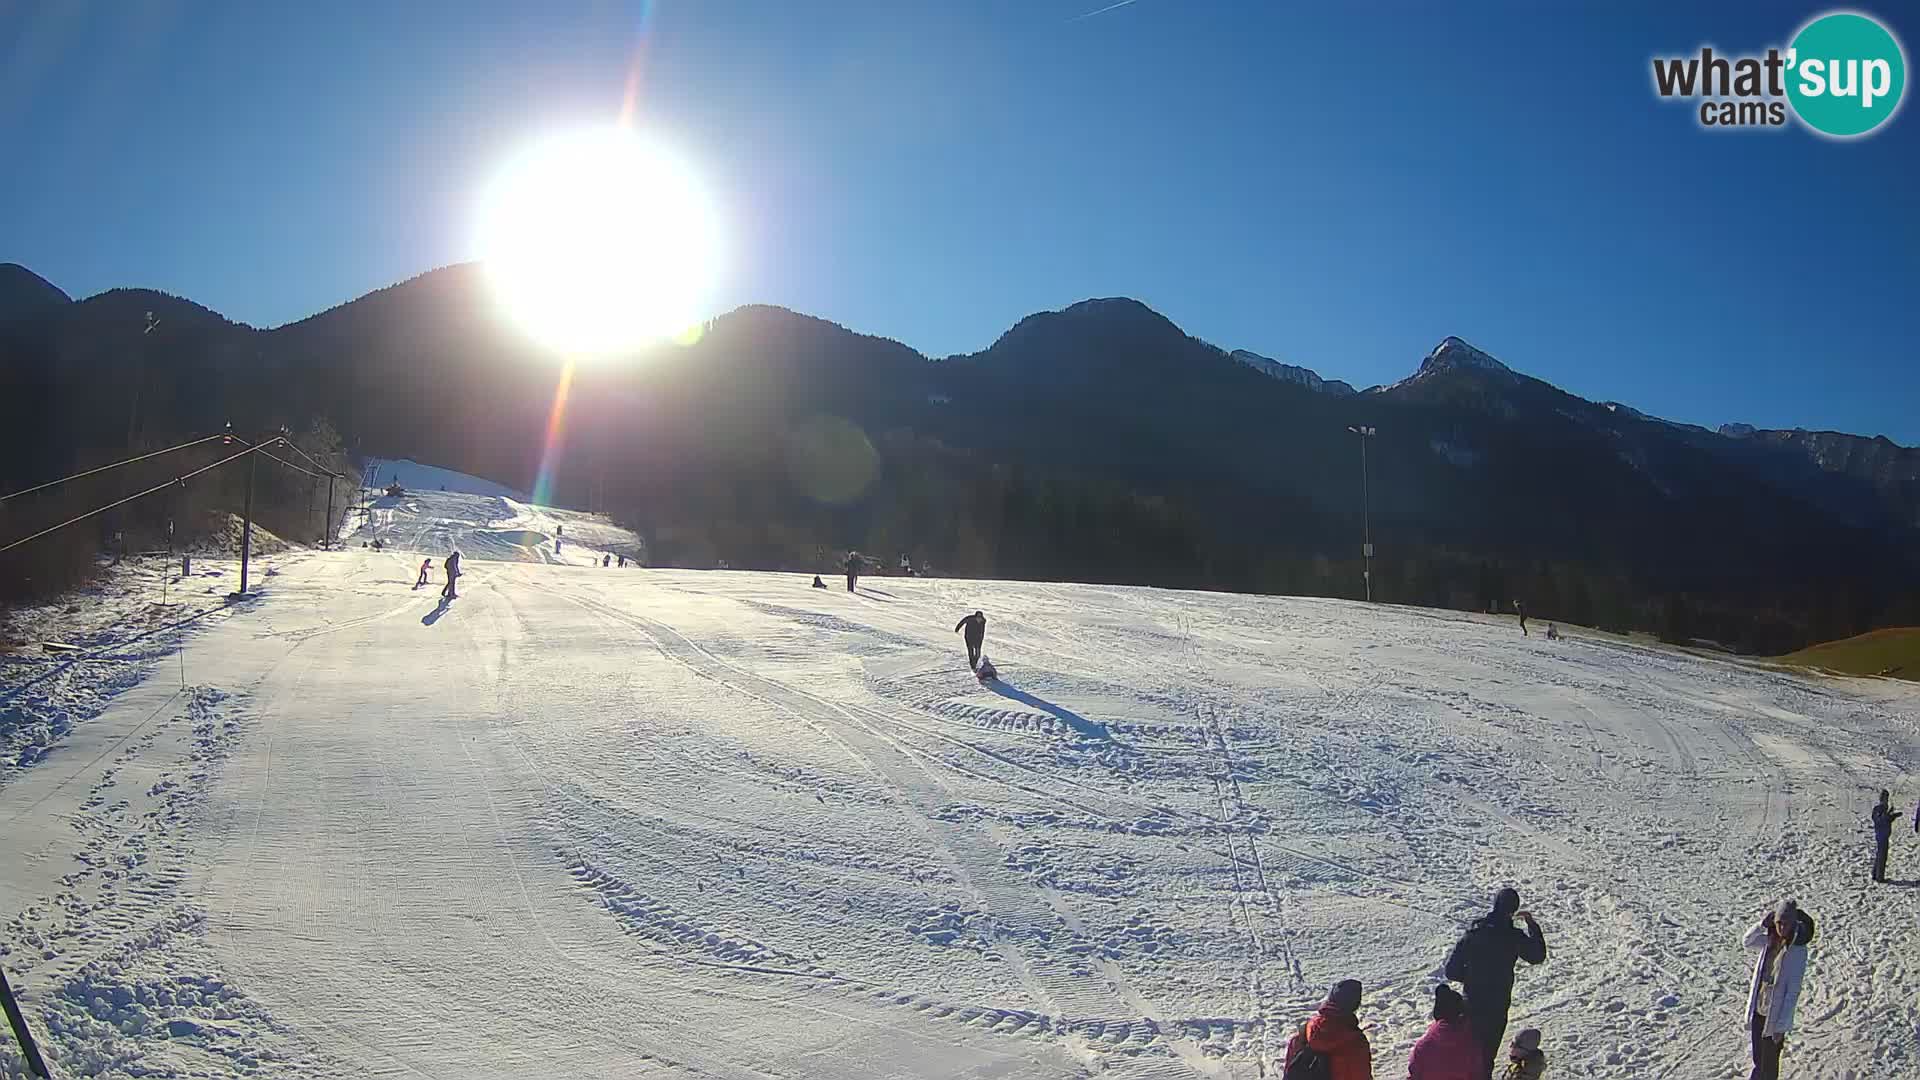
(853, 569)
(975, 629)
(1482, 963)
(1883, 819)
(452, 563)
(1334, 1033)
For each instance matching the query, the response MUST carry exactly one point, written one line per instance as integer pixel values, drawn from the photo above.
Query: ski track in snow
(584, 822)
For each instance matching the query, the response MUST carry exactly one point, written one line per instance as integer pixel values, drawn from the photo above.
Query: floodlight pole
(1366, 511)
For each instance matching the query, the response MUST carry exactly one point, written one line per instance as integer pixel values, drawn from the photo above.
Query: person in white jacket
(1781, 937)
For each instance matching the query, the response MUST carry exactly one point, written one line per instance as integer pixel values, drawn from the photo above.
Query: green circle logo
(1846, 74)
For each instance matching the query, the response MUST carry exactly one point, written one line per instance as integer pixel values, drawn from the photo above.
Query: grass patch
(1894, 651)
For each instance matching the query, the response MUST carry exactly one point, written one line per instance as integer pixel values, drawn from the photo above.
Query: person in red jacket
(1448, 1051)
(1334, 1032)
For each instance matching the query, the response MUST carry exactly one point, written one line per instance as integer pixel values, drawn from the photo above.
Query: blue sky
(1338, 186)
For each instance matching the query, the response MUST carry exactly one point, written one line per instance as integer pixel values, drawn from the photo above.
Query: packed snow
(486, 527)
(414, 476)
(590, 822)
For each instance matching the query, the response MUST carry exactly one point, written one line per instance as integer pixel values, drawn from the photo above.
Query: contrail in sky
(1103, 11)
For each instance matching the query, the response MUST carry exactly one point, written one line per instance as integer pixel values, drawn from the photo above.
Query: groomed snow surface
(600, 823)
(485, 527)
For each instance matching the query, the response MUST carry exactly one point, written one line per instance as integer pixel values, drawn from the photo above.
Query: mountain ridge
(1099, 441)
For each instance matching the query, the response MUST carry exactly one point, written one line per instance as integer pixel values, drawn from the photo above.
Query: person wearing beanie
(1448, 1051)
(1781, 938)
(1525, 1061)
(1483, 962)
(1334, 1034)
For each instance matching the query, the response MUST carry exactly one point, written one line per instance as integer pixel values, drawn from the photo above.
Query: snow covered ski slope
(486, 527)
(593, 823)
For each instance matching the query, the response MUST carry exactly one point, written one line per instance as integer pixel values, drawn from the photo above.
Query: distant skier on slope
(1448, 1051)
(1520, 609)
(1883, 819)
(1782, 937)
(1482, 963)
(974, 627)
(452, 563)
(852, 566)
(425, 565)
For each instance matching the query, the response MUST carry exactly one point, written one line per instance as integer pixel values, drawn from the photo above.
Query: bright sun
(598, 241)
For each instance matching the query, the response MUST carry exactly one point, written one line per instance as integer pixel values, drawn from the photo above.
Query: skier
(452, 563)
(1525, 1061)
(975, 627)
(606, 561)
(1883, 819)
(425, 565)
(1333, 1033)
(1782, 937)
(1482, 963)
(621, 562)
(1448, 1051)
(852, 566)
(1520, 609)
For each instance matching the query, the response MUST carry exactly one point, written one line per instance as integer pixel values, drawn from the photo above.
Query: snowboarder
(1448, 1051)
(1333, 1034)
(1482, 963)
(906, 565)
(975, 628)
(621, 562)
(425, 565)
(852, 566)
(1553, 632)
(1520, 609)
(1782, 937)
(606, 561)
(817, 583)
(452, 563)
(1525, 1060)
(1883, 819)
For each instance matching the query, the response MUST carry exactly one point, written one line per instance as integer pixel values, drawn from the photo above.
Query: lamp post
(1366, 512)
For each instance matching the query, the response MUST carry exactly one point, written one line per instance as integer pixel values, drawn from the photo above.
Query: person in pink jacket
(1448, 1051)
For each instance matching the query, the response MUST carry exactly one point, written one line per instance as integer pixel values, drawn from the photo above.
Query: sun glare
(599, 241)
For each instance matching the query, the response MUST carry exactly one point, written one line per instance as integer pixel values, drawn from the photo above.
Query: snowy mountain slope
(486, 527)
(417, 477)
(586, 823)
(1292, 373)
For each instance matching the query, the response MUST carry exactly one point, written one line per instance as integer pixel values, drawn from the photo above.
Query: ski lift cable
(122, 502)
(104, 468)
